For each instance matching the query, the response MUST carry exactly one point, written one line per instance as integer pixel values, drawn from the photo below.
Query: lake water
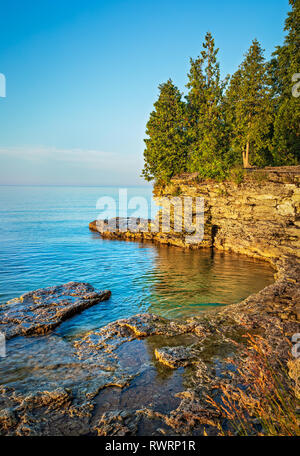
(45, 241)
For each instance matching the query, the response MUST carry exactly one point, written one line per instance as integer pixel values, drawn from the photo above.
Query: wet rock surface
(147, 375)
(64, 387)
(143, 375)
(176, 356)
(40, 311)
(258, 217)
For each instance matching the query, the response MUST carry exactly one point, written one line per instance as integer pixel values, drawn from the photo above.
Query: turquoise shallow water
(45, 241)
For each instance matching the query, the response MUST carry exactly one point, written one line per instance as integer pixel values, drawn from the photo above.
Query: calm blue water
(45, 241)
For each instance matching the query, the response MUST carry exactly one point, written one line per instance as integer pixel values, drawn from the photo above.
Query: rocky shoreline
(147, 375)
(101, 383)
(258, 217)
(39, 312)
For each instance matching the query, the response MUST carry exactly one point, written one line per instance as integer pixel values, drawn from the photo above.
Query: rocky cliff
(123, 379)
(258, 216)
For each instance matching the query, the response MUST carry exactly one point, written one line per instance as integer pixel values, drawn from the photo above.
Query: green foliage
(249, 109)
(237, 174)
(224, 127)
(177, 191)
(286, 63)
(207, 140)
(166, 148)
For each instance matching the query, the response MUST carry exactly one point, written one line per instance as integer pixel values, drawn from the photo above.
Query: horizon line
(71, 185)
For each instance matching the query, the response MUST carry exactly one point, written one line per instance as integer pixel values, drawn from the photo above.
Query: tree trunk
(246, 156)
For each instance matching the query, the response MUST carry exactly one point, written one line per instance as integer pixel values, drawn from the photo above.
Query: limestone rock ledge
(40, 311)
(109, 381)
(116, 380)
(258, 217)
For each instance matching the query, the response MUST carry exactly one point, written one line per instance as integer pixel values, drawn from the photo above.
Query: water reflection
(183, 282)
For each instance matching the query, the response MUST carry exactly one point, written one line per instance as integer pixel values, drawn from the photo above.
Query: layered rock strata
(258, 217)
(147, 375)
(40, 311)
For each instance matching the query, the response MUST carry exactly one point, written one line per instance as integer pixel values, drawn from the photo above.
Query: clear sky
(82, 77)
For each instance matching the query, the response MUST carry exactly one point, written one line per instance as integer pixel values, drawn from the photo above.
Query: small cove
(46, 241)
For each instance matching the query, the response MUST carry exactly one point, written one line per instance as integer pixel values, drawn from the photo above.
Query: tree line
(248, 119)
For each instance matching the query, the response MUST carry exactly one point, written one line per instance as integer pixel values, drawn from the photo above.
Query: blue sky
(82, 77)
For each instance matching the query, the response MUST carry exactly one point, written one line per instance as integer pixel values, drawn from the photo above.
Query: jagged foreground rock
(258, 217)
(40, 311)
(147, 375)
(144, 375)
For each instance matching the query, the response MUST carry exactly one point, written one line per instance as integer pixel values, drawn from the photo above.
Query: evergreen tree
(206, 121)
(286, 63)
(257, 122)
(166, 146)
(249, 110)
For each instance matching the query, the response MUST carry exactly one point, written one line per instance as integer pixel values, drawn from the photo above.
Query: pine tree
(286, 63)
(166, 146)
(249, 109)
(206, 120)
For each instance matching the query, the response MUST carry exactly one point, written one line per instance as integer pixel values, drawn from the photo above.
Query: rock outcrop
(147, 375)
(143, 375)
(257, 217)
(40, 311)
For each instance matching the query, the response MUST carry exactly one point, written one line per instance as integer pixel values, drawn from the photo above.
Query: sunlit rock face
(40, 311)
(258, 217)
(148, 375)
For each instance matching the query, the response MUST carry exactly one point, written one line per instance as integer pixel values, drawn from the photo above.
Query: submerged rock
(175, 356)
(40, 311)
(117, 380)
